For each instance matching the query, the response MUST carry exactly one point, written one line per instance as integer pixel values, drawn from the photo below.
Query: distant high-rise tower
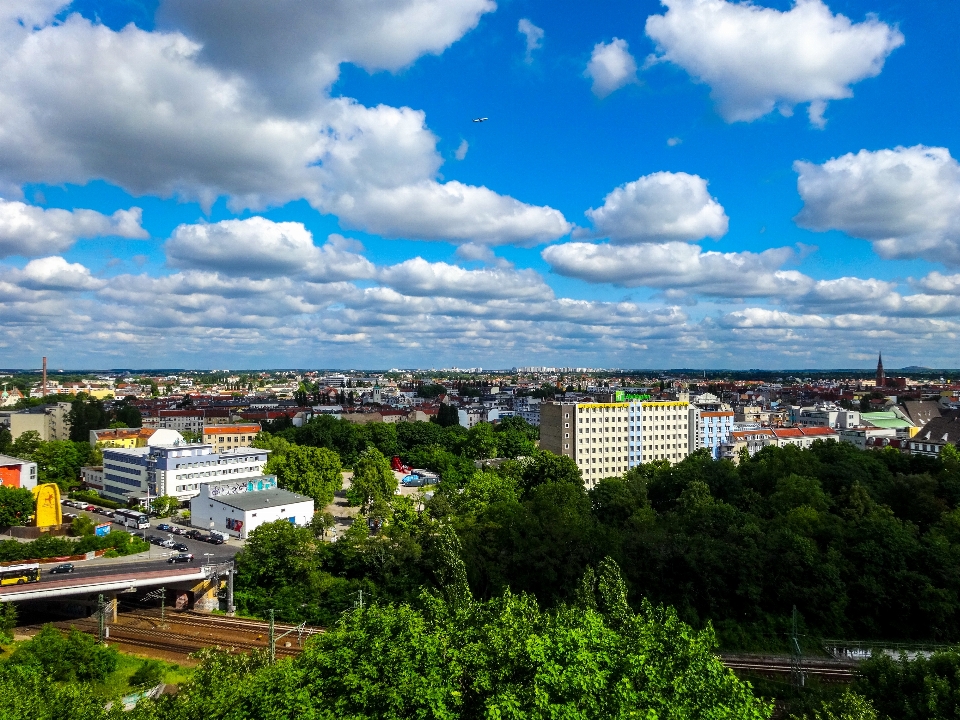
(881, 378)
(43, 389)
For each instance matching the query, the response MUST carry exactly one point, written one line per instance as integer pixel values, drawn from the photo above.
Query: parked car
(193, 534)
(154, 539)
(167, 544)
(90, 508)
(62, 568)
(214, 540)
(70, 516)
(107, 513)
(181, 558)
(177, 530)
(181, 547)
(165, 527)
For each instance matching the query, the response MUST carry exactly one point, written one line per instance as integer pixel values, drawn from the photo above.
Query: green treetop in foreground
(372, 478)
(504, 658)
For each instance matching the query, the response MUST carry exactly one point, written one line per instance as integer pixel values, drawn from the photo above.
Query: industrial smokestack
(44, 386)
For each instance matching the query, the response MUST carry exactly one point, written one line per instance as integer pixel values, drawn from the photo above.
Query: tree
(74, 656)
(919, 689)
(59, 461)
(321, 523)
(447, 415)
(8, 621)
(164, 506)
(86, 414)
(310, 471)
(545, 467)
(6, 440)
(372, 479)
(128, 414)
(26, 445)
(82, 525)
(431, 391)
(16, 506)
(481, 442)
(503, 658)
(849, 706)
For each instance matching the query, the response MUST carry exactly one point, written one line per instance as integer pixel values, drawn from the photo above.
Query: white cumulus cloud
(906, 201)
(152, 113)
(55, 273)
(757, 59)
(449, 211)
(257, 247)
(28, 230)
(292, 49)
(533, 36)
(422, 278)
(660, 207)
(679, 265)
(611, 66)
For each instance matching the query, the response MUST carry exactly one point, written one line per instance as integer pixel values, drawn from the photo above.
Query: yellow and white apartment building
(229, 437)
(607, 439)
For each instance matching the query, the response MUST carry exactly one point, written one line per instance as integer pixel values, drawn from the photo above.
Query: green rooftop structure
(885, 420)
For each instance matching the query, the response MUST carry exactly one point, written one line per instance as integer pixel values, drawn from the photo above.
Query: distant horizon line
(483, 371)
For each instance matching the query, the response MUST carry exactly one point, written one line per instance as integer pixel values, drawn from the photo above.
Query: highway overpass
(198, 583)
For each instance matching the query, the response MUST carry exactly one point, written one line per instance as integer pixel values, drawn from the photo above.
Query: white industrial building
(237, 508)
(178, 471)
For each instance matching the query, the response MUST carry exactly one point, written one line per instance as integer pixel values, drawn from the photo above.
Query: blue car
(420, 478)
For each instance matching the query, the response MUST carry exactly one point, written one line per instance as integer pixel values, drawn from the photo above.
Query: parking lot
(164, 536)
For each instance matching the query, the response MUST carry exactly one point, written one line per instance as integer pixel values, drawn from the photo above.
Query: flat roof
(261, 499)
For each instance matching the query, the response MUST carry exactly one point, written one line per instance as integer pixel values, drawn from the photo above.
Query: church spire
(881, 377)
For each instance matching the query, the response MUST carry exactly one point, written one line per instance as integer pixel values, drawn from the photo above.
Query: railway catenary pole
(796, 656)
(231, 609)
(101, 618)
(273, 649)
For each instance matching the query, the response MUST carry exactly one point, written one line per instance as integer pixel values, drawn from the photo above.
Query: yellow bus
(20, 574)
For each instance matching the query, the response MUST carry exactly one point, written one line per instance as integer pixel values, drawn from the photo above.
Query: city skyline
(243, 185)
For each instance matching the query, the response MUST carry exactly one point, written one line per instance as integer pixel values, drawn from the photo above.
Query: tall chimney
(44, 386)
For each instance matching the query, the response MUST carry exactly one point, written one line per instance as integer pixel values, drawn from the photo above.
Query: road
(155, 558)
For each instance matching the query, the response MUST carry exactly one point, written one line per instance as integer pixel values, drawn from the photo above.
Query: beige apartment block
(607, 439)
(228, 437)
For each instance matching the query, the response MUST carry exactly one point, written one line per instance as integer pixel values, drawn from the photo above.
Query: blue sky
(694, 183)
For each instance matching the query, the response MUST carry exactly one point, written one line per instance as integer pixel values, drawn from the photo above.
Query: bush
(72, 657)
(47, 546)
(93, 498)
(149, 674)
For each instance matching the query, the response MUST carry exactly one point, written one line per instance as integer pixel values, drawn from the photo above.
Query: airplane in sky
(480, 119)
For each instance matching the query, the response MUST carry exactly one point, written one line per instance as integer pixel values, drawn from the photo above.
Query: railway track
(187, 634)
(777, 668)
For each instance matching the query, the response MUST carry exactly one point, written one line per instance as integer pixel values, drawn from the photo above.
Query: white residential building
(527, 408)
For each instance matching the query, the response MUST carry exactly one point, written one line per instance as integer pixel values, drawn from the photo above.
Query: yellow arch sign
(49, 511)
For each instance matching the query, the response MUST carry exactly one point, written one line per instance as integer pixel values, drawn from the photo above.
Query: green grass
(118, 682)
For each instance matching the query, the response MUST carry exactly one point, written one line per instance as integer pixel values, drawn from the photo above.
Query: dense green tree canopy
(372, 478)
(311, 471)
(16, 506)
